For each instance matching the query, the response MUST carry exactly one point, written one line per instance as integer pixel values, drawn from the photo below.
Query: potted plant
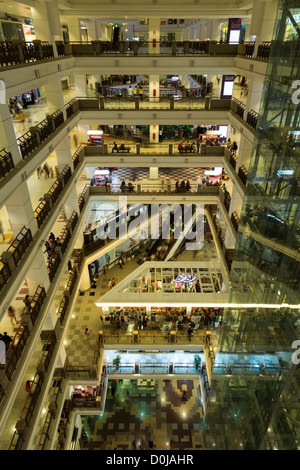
(116, 362)
(197, 361)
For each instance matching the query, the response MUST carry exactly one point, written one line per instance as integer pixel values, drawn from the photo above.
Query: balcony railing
(243, 174)
(263, 50)
(42, 212)
(6, 163)
(252, 118)
(18, 52)
(235, 221)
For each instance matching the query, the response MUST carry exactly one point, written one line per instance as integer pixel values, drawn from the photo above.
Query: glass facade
(247, 409)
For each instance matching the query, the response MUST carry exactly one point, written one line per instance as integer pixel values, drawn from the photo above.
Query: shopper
(87, 333)
(27, 386)
(27, 303)
(120, 262)
(12, 315)
(109, 284)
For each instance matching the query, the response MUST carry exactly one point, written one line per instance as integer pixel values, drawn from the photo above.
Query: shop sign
(185, 278)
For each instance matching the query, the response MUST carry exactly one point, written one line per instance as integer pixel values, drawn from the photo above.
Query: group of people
(182, 321)
(111, 283)
(182, 187)
(188, 147)
(233, 146)
(126, 187)
(135, 91)
(50, 246)
(48, 172)
(115, 147)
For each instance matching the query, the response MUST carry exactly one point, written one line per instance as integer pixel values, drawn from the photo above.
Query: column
(154, 87)
(7, 134)
(37, 273)
(154, 35)
(91, 30)
(203, 32)
(154, 134)
(71, 203)
(89, 172)
(85, 282)
(128, 32)
(54, 95)
(46, 20)
(213, 29)
(103, 32)
(62, 356)
(80, 85)
(83, 128)
(51, 318)
(63, 153)
(255, 88)
(244, 153)
(229, 242)
(262, 21)
(73, 28)
(153, 173)
(19, 210)
(236, 202)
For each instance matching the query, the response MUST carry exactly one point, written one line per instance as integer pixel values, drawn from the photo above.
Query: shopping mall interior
(150, 225)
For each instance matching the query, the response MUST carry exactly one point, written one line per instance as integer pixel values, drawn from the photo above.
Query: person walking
(46, 170)
(87, 333)
(109, 284)
(130, 92)
(120, 262)
(12, 315)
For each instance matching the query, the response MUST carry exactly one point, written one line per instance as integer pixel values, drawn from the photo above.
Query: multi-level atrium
(123, 326)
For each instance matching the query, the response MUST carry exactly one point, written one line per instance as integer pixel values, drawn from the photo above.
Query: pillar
(85, 282)
(262, 21)
(89, 172)
(154, 34)
(62, 356)
(71, 203)
(46, 20)
(7, 134)
(236, 202)
(153, 173)
(244, 153)
(73, 28)
(37, 273)
(128, 32)
(103, 32)
(19, 210)
(83, 128)
(54, 96)
(80, 85)
(203, 32)
(229, 242)
(51, 318)
(154, 85)
(63, 153)
(213, 29)
(255, 89)
(91, 30)
(154, 134)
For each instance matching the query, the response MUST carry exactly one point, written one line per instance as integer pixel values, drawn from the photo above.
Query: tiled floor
(135, 416)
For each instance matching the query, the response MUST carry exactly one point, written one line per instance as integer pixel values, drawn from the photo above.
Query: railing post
(186, 47)
(101, 102)
(207, 102)
(136, 368)
(135, 336)
(7, 258)
(138, 149)
(38, 46)
(137, 102)
(50, 119)
(48, 197)
(35, 132)
(18, 44)
(171, 368)
(135, 48)
(174, 47)
(170, 149)
(172, 102)
(61, 178)
(172, 336)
